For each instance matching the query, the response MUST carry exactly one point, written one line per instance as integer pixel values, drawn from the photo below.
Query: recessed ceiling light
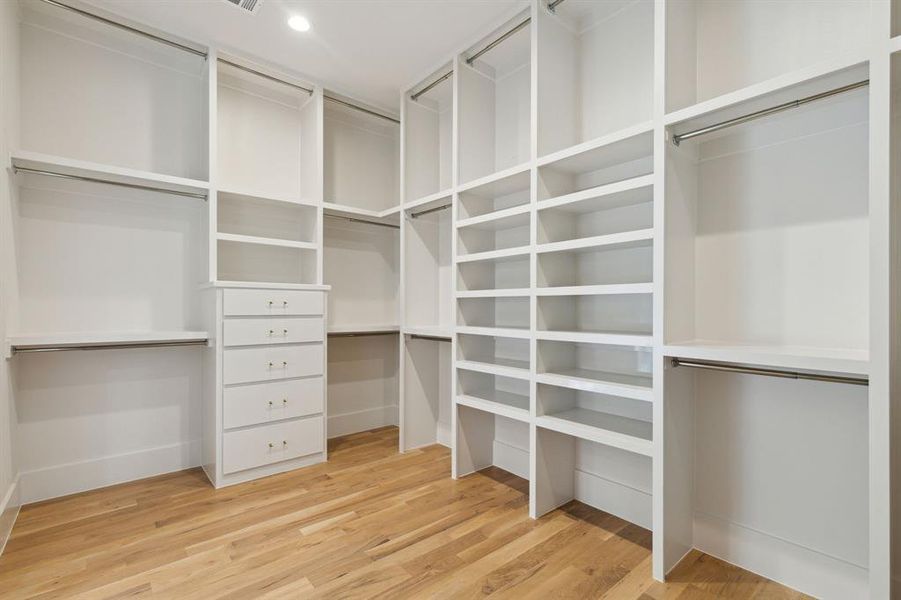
(299, 23)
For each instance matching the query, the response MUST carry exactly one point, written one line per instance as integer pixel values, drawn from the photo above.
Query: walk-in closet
(523, 298)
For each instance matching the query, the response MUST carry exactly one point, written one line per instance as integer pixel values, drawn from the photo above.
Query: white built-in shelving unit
(590, 251)
(600, 261)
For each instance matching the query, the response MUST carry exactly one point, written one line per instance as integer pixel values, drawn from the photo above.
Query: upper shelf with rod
(34, 163)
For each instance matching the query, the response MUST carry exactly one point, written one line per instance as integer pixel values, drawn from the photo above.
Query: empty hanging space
(362, 155)
(603, 368)
(428, 269)
(759, 467)
(769, 232)
(494, 105)
(426, 392)
(718, 52)
(84, 92)
(428, 133)
(595, 70)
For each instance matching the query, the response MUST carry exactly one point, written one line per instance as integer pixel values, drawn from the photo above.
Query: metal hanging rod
(714, 366)
(265, 75)
(355, 220)
(554, 4)
(128, 28)
(433, 338)
(493, 44)
(677, 139)
(361, 333)
(429, 211)
(133, 186)
(444, 77)
(135, 345)
(362, 109)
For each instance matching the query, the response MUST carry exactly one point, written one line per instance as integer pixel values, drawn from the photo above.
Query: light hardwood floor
(370, 523)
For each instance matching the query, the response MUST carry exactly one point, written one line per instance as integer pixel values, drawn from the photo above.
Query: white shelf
(508, 332)
(830, 360)
(487, 218)
(618, 147)
(625, 239)
(636, 387)
(426, 202)
(597, 290)
(101, 338)
(262, 241)
(495, 254)
(429, 331)
(266, 285)
(644, 340)
(821, 77)
(362, 329)
(388, 216)
(255, 196)
(509, 368)
(495, 293)
(487, 180)
(619, 193)
(632, 435)
(505, 404)
(107, 173)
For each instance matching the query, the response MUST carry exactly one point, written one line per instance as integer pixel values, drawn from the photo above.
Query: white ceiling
(368, 49)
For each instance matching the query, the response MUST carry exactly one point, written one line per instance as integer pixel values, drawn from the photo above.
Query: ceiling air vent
(251, 6)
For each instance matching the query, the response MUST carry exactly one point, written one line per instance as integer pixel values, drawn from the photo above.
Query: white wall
(9, 43)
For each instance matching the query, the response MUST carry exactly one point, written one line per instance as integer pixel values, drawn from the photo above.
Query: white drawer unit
(267, 363)
(275, 401)
(272, 302)
(267, 444)
(272, 330)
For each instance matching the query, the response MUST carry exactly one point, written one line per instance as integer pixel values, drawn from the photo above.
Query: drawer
(267, 444)
(264, 402)
(263, 330)
(245, 365)
(272, 302)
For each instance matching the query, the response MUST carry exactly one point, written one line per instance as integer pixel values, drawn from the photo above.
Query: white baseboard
(613, 497)
(361, 420)
(9, 510)
(798, 567)
(444, 434)
(71, 478)
(512, 459)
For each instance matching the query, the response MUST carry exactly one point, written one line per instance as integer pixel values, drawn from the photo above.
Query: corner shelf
(388, 216)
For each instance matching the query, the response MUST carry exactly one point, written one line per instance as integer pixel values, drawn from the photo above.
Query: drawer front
(265, 402)
(272, 302)
(245, 365)
(256, 331)
(267, 444)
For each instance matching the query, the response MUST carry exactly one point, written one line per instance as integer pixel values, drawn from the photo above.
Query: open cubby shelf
(624, 433)
(605, 368)
(482, 198)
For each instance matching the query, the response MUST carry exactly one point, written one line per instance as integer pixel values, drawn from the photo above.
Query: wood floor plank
(369, 523)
